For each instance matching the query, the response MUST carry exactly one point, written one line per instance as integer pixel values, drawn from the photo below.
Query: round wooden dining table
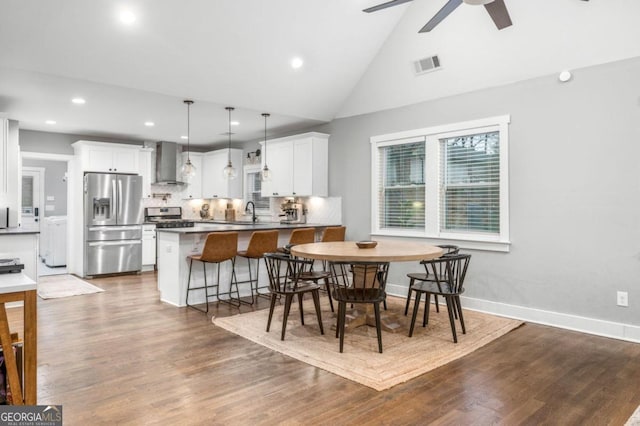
(385, 251)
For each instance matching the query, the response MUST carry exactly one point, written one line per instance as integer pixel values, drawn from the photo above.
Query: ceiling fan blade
(442, 13)
(385, 5)
(498, 12)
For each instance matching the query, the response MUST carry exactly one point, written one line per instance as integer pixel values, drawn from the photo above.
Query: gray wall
(574, 188)
(54, 185)
(58, 143)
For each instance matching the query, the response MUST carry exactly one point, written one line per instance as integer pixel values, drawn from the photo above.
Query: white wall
(574, 201)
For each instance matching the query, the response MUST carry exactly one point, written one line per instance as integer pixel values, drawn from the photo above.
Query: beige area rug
(55, 286)
(634, 420)
(403, 358)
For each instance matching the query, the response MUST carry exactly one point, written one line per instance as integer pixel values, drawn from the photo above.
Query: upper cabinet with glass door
(299, 166)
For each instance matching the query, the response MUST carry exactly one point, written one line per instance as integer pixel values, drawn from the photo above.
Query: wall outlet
(623, 298)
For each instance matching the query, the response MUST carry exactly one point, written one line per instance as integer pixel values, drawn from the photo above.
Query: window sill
(469, 244)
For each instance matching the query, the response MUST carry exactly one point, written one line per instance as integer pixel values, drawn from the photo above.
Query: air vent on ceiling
(427, 64)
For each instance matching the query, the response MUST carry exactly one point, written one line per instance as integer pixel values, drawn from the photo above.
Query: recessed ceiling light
(184, 137)
(127, 17)
(50, 122)
(235, 123)
(78, 101)
(564, 76)
(149, 123)
(296, 63)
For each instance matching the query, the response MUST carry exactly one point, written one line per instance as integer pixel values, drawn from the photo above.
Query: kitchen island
(175, 244)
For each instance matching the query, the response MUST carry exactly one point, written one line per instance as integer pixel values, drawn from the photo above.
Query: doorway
(44, 208)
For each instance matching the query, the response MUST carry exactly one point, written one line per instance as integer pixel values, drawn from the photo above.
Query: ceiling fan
(496, 9)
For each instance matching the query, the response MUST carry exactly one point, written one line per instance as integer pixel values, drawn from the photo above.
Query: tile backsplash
(319, 209)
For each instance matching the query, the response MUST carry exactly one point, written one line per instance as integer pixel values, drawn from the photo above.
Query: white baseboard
(594, 326)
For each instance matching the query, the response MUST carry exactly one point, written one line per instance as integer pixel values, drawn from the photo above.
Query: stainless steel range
(166, 217)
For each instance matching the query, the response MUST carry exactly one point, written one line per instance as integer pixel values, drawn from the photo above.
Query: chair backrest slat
(284, 271)
(359, 281)
(450, 270)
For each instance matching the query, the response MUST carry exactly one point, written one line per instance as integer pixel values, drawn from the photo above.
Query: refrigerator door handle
(115, 228)
(119, 198)
(113, 199)
(115, 243)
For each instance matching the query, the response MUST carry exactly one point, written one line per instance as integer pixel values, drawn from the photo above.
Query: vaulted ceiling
(238, 53)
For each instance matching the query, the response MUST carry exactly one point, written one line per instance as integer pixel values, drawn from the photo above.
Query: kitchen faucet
(254, 219)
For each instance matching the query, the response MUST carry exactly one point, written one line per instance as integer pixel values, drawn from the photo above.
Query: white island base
(175, 244)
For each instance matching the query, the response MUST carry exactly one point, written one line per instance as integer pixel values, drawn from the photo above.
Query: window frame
(249, 169)
(432, 137)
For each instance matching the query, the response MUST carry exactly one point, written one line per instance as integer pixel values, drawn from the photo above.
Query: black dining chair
(449, 250)
(449, 273)
(359, 283)
(285, 280)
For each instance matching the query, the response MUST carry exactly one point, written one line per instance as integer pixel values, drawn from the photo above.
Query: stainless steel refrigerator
(112, 223)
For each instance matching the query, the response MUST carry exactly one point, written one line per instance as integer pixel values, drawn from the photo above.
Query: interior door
(32, 197)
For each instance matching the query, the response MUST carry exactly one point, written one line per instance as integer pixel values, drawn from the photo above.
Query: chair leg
(450, 308)
(198, 288)
(328, 287)
(459, 306)
(206, 287)
(406, 307)
(416, 305)
(301, 312)
(427, 308)
(376, 310)
(316, 301)
(343, 314)
(250, 281)
(287, 307)
(339, 317)
(186, 300)
(435, 298)
(273, 305)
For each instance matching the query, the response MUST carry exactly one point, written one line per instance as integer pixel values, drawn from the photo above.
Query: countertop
(17, 231)
(15, 282)
(206, 227)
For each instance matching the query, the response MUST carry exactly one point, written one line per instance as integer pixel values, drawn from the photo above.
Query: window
(253, 189)
(444, 183)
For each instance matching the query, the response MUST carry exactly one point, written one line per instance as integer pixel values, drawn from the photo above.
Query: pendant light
(188, 170)
(229, 171)
(265, 174)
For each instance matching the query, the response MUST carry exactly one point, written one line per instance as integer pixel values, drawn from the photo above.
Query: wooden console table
(20, 288)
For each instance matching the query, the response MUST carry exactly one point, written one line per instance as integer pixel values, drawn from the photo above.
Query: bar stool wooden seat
(261, 242)
(219, 247)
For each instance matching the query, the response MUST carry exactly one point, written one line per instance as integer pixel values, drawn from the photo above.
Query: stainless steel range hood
(166, 164)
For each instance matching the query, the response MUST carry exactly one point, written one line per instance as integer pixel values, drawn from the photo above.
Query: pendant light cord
(188, 102)
(229, 153)
(265, 115)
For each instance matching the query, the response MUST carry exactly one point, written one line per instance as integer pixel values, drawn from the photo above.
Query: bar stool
(333, 233)
(299, 236)
(261, 242)
(219, 247)
(305, 236)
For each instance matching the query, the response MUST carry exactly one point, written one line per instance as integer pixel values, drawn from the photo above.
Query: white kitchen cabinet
(193, 187)
(10, 170)
(299, 166)
(148, 245)
(146, 171)
(108, 157)
(214, 184)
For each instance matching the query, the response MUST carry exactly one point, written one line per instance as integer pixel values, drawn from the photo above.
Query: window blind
(470, 183)
(254, 191)
(401, 186)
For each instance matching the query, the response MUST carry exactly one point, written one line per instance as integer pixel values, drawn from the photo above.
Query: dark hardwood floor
(123, 357)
